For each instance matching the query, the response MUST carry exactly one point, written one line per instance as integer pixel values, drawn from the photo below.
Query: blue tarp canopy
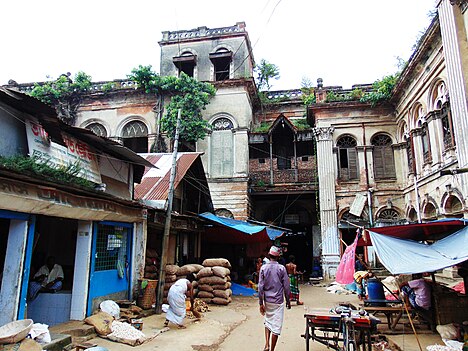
(406, 256)
(236, 231)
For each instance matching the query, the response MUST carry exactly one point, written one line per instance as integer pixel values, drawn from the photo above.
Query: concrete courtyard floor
(239, 327)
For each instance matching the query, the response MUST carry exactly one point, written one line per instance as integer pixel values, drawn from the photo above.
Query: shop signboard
(74, 154)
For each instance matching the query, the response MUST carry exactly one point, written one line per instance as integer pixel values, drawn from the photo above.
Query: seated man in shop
(47, 279)
(417, 292)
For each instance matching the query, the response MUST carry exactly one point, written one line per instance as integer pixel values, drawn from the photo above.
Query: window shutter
(222, 153)
(389, 162)
(352, 164)
(379, 169)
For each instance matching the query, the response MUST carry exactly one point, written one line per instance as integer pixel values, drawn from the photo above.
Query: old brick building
(319, 169)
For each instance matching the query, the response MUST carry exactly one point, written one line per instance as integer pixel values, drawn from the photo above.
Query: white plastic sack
(165, 307)
(110, 307)
(40, 333)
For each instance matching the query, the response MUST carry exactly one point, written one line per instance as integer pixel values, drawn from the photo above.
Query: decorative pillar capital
(324, 133)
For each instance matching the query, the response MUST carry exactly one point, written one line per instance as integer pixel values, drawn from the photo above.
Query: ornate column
(327, 198)
(455, 53)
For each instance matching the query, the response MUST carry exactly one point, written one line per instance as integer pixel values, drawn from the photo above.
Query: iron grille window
(97, 129)
(347, 158)
(111, 247)
(426, 149)
(447, 128)
(384, 164)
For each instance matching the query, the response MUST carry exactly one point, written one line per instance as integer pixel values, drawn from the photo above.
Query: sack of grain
(186, 269)
(206, 294)
(213, 262)
(204, 272)
(224, 286)
(198, 267)
(205, 287)
(225, 294)
(101, 321)
(220, 301)
(221, 271)
(151, 268)
(214, 280)
(152, 253)
(172, 269)
(205, 299)
(170, 278)
(151, 275)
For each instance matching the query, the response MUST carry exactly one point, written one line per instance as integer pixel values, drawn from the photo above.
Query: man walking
(273, 288)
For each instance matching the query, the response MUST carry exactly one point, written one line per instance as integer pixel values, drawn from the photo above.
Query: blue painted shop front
(110, 275)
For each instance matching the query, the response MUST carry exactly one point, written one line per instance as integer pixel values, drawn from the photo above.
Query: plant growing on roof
(308, 92)
(63, 93)
(265, 72)
(383, 89)
(187, 94)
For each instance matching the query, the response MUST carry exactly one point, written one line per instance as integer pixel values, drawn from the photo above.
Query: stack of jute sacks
(214, 281)
(151, 264)
(174, 272)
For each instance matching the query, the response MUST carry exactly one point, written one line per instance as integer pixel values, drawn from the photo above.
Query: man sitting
(417, 292)
(47, 279)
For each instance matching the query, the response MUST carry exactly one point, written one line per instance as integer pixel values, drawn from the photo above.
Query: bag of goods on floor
(174, 273)
(214, 281)
(107, 327)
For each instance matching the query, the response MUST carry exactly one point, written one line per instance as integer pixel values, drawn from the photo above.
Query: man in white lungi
(176, 298)
(273, 289)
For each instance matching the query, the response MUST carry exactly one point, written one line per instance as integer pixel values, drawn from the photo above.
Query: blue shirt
(273, 284)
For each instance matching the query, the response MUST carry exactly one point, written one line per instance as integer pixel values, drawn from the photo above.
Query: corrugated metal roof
(154, 186)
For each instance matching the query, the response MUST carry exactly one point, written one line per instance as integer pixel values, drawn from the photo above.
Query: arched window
(186, 63)
(453, 206)
(430, 212)
(222, 148)
(384, 163)
(388, 216)
(347, 158)
(98, 129)
(447, 127)
(426, 146)
(135, 136)
(413, 215)
(221, 60)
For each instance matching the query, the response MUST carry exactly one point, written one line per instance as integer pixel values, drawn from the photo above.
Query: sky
(344, 42)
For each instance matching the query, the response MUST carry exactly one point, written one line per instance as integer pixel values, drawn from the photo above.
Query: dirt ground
(239, 327)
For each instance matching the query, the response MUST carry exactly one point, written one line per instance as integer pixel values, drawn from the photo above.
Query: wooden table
(392, 309)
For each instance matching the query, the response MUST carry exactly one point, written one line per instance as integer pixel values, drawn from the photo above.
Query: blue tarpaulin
(402, 256)
(240, 290)
(243, 226)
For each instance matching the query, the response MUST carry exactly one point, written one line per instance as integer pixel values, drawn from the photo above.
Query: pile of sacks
(214, 281)
(174, 273)
(151, 264)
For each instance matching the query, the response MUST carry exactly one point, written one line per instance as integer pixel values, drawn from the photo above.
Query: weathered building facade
(352, 164)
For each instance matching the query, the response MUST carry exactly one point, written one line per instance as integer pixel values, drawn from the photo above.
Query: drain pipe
(369, 190)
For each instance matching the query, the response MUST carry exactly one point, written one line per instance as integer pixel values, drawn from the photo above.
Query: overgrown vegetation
(308, 92)
(265, 72)
(41, 168)
(301, 123)
(382, 89)
(263, 127)
(187, 94)
(64, 94)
